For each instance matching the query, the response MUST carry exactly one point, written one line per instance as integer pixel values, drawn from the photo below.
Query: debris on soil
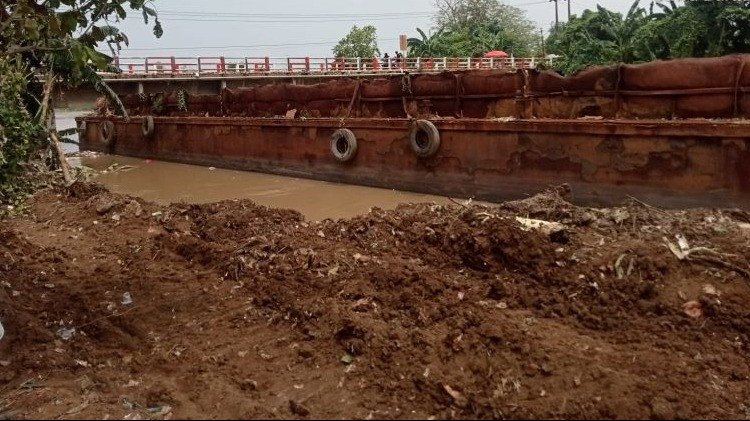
(347, 359)
(546, 227)
(425, 311)
(127, 299)
(83, 154)
(66, 333)
(693, 309)
(298, 409)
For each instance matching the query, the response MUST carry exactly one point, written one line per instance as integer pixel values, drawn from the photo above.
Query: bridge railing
(201, 66)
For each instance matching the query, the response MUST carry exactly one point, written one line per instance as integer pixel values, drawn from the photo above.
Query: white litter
(65, 333)
(126, 299)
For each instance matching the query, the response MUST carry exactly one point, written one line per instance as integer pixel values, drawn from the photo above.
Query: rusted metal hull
(667, 163)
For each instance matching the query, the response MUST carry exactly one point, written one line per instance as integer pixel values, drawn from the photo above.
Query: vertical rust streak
(737, 88)
(354, 99)
(617, 90)
(459, 95)
(406, 89)
(522, 108)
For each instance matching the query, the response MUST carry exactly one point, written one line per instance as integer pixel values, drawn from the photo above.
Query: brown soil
(241, 311)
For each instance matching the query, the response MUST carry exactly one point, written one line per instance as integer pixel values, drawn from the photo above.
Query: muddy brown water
(167, 182)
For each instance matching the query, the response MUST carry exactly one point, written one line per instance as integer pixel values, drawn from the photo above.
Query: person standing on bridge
(399, 59)
(386, 61)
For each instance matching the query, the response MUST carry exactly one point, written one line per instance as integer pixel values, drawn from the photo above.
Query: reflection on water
(166, 182)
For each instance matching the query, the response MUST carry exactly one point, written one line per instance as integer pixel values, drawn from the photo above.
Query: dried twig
(646, 205)
(684, 252)
(715, 260)
(457, 202)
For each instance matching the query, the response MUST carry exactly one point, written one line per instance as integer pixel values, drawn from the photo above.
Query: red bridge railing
(200, 66)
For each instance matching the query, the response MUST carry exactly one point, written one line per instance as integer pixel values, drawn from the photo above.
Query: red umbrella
(496, 54)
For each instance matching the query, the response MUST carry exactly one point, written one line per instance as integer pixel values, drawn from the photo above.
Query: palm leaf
(90, 76)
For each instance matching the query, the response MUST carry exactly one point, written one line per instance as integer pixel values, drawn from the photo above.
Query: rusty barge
(671, 133)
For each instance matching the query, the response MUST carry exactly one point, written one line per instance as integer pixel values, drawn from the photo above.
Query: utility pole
(569, 1)
(557, 16)
(541, 33)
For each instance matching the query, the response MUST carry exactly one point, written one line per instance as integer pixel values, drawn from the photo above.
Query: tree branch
(85, 6)
(18, 49)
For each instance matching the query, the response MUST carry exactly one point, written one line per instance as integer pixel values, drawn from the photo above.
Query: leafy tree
(697, 29)
(598, 37)
(359, 42)
(487, 25)
(19, 134)
(426, 46)
(666, 30)
(54, 41)
(446, 43)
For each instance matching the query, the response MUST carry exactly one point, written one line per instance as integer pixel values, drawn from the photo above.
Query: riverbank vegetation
(41, 46)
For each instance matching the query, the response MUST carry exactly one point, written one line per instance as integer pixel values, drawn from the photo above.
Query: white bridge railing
(198, 66)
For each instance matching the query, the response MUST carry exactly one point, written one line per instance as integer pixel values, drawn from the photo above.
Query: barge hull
(681, 163)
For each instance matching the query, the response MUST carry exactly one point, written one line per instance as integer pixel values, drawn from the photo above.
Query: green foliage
(359, 42)
(425, 46)
(588, 40)
(666, 30)
(182, 100)
(158, 104)
(62, 36)
(19, 134)
(444, 43)
(57, 38)
(697, 29)
(473, 27)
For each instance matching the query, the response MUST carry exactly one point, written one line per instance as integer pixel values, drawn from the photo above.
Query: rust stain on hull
(669, 163)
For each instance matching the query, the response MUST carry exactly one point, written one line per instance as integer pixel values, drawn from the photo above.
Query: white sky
(297, 28)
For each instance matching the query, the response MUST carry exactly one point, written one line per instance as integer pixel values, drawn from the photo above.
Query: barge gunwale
(729, 128)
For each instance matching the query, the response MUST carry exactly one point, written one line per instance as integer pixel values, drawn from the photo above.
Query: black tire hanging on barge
(148, 126)
(107, 132)
(343, 145)
(424, 138)
(82, 130)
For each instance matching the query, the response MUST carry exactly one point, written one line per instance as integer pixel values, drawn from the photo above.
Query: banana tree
(425, 45)
(56, 41)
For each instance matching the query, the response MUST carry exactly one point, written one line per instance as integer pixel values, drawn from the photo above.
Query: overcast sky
(297, 28)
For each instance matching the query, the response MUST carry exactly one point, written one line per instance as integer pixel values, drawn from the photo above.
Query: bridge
(263, 67)
(208, 75)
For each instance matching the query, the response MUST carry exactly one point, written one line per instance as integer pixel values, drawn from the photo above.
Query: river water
(167, 182)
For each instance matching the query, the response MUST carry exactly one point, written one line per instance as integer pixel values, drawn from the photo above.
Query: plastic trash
(2, 331)
(65, 333)
(127, 299)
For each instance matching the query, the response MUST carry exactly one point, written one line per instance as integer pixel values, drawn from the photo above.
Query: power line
(295, 15)
(531, 3)
(244, 46)
(288, 21)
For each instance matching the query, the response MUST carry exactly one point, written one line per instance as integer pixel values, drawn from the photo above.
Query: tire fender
(424, 138)
(343, 145)
(147, 128)
(107, 132)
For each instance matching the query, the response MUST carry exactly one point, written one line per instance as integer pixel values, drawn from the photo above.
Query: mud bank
(116, 307)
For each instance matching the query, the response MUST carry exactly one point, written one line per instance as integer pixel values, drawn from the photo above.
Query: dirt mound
(120, 308)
